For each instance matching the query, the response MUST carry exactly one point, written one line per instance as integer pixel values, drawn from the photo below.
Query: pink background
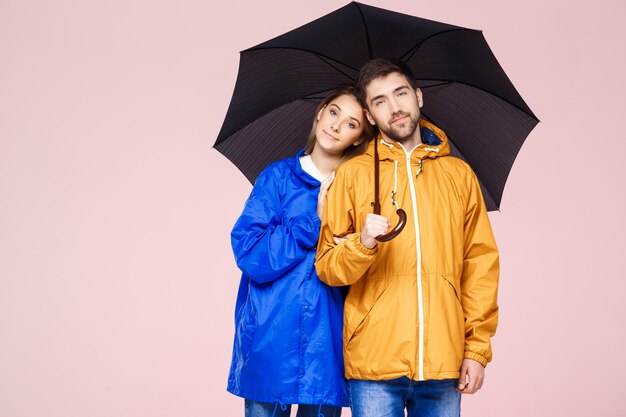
(117, 282)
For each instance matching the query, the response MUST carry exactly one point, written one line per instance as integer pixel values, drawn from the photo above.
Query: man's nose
(393, 106)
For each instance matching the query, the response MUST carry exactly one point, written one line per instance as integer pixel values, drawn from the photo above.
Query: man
(422, 307)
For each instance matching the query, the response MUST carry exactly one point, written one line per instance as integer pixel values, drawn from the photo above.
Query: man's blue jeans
(431, 398)
(259, 409)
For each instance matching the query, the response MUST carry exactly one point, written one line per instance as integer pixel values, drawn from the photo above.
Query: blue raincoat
(288, 324)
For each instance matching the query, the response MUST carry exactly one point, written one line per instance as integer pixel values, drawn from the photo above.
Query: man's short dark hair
(381, 67)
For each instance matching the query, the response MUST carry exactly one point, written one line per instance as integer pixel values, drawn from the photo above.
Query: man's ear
(319, 114)
(369, 117)
(420, 98)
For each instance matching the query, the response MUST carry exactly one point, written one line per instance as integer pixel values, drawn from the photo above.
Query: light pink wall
(117, 282)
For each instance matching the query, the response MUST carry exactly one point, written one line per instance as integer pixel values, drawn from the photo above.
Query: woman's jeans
(431, 398)
(259, 409)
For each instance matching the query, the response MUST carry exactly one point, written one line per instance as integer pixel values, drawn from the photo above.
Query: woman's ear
(319, 114)
(369, 117)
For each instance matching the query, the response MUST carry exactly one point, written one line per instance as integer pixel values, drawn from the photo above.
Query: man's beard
(402, 134)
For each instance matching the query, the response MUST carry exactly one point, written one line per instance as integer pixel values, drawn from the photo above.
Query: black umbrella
(466, 92)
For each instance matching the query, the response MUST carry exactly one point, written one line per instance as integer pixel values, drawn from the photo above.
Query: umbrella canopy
(466, 92)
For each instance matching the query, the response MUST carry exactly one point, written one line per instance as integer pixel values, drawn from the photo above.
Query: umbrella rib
(324, 60)
(367, 32)
(444, 82)
(308, 97)
(412, 50)
(302, 50)
(311, 96)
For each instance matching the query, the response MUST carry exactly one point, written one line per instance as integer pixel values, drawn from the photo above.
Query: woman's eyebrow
(355, 120)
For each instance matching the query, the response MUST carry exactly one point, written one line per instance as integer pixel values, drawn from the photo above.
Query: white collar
(309, 167)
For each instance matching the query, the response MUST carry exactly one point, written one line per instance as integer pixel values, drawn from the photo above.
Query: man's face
(393, 106)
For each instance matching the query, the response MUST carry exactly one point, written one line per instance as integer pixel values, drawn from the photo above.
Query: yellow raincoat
(422, 302)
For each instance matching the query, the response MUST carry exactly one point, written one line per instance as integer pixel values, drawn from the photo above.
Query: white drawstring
(395, 185)
(419, 169)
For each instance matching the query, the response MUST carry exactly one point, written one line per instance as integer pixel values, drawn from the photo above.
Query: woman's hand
(340, 239)
(321, 197)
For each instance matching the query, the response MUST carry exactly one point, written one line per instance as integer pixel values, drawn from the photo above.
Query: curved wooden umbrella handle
(396, 230)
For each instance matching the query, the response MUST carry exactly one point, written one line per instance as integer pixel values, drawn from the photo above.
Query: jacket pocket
(456, 315)
(455, 284)
(446, 324)
(360, 302)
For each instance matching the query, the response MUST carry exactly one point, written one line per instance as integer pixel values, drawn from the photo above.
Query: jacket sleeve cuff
(355, 239)
(475, 356)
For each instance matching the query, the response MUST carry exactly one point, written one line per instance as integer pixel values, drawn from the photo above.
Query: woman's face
(340, 125)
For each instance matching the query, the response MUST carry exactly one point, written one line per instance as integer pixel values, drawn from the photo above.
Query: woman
(288, 347)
